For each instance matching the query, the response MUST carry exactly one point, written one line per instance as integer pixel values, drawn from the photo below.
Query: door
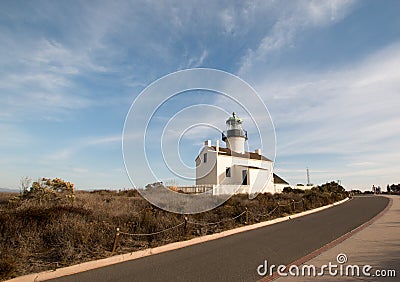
(244, 177)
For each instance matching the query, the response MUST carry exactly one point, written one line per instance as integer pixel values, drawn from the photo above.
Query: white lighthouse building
(233, 169)
(235, 135)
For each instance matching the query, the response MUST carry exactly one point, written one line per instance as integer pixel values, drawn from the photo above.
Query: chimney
(207, 143)
(217, 145)
(258, 151)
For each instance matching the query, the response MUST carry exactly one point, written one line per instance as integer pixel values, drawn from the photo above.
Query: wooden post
(247, 216)
(115, 241)
(185, 226)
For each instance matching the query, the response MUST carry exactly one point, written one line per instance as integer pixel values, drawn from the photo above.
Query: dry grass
(37, 237)
(5, 197)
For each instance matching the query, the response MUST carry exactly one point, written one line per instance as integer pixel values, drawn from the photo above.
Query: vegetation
(394, 188)
(49, 225)
(291, 190)
(45, 191)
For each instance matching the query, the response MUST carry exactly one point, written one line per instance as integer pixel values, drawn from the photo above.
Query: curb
(86, 266)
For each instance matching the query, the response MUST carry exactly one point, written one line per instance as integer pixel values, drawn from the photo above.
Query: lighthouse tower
(235, 135)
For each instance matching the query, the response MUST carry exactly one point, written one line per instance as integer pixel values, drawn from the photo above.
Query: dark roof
(247, 155)
(279, 180)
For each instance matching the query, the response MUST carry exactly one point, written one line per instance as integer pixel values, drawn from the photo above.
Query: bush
(291, 190)
(46, 191)
(287, 190)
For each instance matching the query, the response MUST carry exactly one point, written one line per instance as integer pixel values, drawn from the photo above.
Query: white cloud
(105, 140)
(13, 137)
(58, 58)
(362, 164)
(40, 83)
(350, 113)
(291, 22)
(195, 62)
(76, 146)
(227, 17)
(64, 154)
(80, 170)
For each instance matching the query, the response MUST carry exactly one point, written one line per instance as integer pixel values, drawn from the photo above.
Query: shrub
(45, 191)
(291, 190)
(287, 190)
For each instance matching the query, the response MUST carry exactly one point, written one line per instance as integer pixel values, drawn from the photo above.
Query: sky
(328, 72)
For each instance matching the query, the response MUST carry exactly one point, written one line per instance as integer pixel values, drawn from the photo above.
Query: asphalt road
(236, 257)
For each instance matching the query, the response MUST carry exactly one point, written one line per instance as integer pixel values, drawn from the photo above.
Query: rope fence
(269, 213)
(217, 222)
(154, 233)
(186, 222)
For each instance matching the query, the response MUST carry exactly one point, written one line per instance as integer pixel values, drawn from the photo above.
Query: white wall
(305, 187)
(206, 173)
(222, 163)
(214, 172)
(279, 187)
(230, 189)
(237, 165)
(236, 144)
(259, 180)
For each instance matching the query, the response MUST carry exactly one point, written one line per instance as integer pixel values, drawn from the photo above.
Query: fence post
(185, 226)
(247, 216)
(115, 241)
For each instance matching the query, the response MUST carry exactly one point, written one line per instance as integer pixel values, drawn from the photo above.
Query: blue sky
(328, 72)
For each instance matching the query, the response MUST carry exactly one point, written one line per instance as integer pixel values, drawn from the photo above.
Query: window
(205, 157)
(228, 172)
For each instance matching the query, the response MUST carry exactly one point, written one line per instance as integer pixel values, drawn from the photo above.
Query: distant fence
(193, 189)
(212, 189)
(229, 189)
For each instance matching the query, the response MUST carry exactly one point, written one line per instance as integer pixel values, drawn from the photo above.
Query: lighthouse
(235, 135)
(232, 169)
